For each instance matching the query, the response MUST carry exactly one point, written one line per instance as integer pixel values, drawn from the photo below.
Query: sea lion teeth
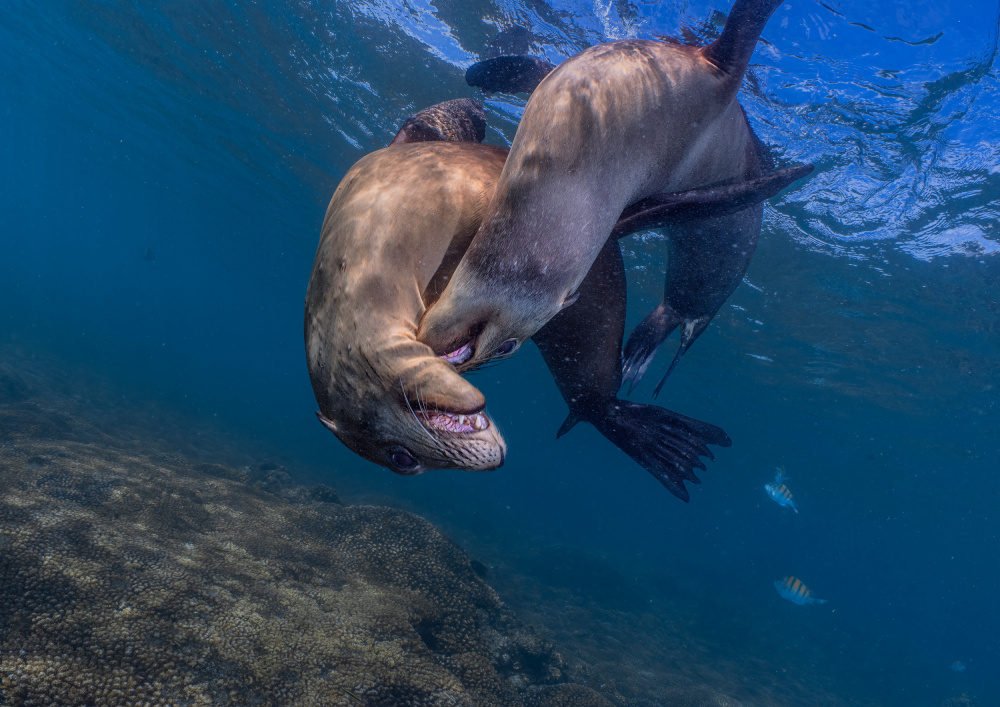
(452, 422)
(459, 356)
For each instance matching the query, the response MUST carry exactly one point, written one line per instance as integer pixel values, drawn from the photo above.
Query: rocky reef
(148, 560)
(142, 578)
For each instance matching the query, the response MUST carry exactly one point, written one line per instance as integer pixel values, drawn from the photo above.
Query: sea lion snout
(449, 326)
(434, 384)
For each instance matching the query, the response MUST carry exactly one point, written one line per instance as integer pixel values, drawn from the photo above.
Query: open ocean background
(164, 170)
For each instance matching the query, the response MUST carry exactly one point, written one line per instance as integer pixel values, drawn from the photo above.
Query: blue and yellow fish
(796, 592)
(779, 492)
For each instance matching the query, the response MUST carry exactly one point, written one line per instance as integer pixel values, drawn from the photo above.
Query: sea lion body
(607, 128)
(394, 232)
(390, 224)
(396, 228)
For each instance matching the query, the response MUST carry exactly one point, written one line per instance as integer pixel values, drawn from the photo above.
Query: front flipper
(508, 74)
(672, 208)
(645, 341)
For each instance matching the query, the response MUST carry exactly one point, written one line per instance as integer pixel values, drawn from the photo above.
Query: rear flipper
(645, 341)
(664, 443)
(713, 236)
(691, 330)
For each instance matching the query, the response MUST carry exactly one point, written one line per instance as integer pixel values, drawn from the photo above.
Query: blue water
(166, 167)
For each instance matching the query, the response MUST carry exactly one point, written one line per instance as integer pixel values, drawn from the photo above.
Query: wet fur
(609, 127)
(381, 245)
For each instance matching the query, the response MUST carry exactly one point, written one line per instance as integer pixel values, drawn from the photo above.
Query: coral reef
(149, 559)
(143, 579)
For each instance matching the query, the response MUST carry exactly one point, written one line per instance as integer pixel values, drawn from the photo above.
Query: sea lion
(459, 120)
(390, 224)
(396, 228)
(606, 129)
(711, 243)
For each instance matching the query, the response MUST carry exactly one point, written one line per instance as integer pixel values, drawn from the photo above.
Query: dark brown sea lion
(608, 128)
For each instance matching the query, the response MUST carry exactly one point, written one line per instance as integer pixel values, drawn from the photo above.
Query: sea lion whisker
(416, 417)
(426, 423)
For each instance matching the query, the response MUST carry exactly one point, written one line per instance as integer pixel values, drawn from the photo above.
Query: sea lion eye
(403, 460)
(506, 348)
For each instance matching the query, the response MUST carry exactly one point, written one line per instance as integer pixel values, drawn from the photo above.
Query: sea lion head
(400, 406)
(488, 320)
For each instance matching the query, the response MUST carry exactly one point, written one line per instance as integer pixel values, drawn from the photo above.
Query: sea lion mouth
(453, 422)
(459, 355)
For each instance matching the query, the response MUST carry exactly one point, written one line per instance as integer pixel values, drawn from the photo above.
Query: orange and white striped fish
(795, 591)
(779, 493)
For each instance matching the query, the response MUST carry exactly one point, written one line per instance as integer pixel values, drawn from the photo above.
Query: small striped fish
(779, 493)
(796, 592)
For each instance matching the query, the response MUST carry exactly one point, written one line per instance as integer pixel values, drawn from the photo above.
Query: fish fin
(691, 330)
(669, 208)
(508, 74)
(664, 443)
(645, 341)
(459, 120)
(731, 52)
(820, 601)
(568, 424)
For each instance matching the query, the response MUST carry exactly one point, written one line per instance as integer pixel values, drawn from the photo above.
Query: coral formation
(147, 561)
(130, 579)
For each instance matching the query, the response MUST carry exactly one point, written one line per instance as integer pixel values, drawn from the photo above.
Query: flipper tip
(568, 424)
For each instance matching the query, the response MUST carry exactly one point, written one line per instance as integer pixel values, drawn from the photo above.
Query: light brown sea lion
(608, 128)
(395, 217)
(395, 230)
